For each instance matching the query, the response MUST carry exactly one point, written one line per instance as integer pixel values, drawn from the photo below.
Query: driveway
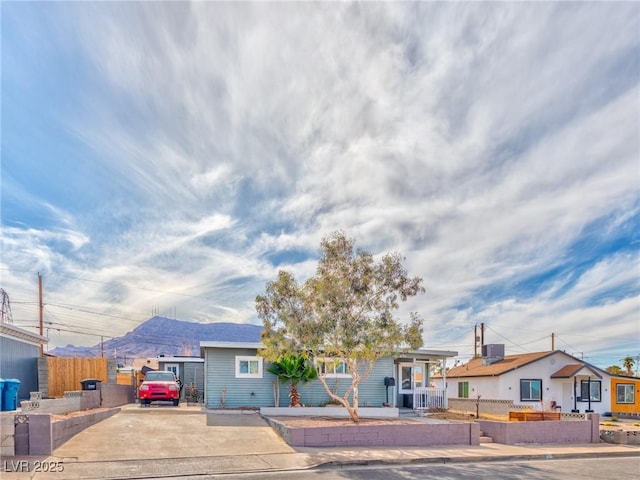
(165, 432)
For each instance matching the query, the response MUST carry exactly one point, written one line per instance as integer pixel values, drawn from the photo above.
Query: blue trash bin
(10, 394)
(1, 394)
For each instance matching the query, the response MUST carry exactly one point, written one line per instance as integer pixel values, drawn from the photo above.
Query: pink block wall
(511, 433)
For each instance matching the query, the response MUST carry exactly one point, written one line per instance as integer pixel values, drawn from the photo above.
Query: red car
(159, 385)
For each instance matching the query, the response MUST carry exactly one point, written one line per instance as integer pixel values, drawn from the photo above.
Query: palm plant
(628, 363)
(293, 368)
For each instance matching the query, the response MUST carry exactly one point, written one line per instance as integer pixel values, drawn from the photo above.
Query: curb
(472, 459)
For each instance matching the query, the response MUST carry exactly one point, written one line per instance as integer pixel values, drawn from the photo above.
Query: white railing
(425, 398)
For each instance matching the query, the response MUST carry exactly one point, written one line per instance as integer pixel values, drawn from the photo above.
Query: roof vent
(492, 353)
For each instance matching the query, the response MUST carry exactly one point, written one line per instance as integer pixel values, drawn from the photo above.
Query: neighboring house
(552, 380)
(19, 353)
(235, 376)
(190, 371)
(625, 395)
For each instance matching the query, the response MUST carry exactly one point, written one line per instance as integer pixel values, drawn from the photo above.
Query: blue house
(236, 377)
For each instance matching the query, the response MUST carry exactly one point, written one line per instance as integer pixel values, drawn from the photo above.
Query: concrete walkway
(162, 441)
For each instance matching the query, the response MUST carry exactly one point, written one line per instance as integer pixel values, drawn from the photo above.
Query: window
(594, 394)
(530, 390)
(463, 389)
(332, 367)
(173, 367)
(625, 393)
(248, 367)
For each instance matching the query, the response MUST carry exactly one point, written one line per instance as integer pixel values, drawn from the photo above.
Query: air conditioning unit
(493, 350)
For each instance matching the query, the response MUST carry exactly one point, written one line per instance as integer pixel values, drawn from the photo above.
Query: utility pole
(475, 341)
(553, 342)
(41, 308)
(482, 334)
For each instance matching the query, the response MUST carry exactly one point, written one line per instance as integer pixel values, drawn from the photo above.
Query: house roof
(418, 354)
(208, 344)
(180, 360)
(11, 331)
(477, 368)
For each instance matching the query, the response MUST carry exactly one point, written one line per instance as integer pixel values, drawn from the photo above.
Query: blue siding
(372, 392)
(220, 371)
(20, 360)
(258, 392)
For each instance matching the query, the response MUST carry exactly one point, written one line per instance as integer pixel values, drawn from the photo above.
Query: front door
(410, 376)
(567, 397)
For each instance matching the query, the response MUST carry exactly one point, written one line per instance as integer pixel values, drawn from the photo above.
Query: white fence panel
(425, 398)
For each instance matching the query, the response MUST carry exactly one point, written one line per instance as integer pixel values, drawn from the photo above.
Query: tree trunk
(294, 396)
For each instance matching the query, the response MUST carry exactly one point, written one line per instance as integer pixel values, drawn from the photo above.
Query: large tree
(344, 312)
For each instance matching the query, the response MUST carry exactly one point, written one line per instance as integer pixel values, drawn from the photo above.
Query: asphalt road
(621, 468)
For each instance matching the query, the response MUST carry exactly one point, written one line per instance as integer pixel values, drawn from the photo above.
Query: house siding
(193, 372)
(259, 392)
(19, 360)
(625, 408)
(371, 392)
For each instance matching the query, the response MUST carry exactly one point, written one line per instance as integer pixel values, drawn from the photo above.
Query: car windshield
(159, 377)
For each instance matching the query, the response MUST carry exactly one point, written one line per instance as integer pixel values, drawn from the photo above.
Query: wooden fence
(65, 374)
(124, 378)
(533, 416)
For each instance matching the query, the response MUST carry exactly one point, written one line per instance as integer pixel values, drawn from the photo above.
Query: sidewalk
(306, 458)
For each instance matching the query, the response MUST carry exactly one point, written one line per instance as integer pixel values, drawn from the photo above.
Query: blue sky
(172, 157)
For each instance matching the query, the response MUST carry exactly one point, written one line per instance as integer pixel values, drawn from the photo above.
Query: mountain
(164, 336)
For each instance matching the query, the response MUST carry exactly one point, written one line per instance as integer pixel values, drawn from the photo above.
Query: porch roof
(424, 354)
(573, 369)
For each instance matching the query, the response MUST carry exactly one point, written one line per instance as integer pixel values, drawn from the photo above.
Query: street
(621, 468)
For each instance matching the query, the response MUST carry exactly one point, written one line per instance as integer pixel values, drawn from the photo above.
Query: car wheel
(176, 402)
(146, 403)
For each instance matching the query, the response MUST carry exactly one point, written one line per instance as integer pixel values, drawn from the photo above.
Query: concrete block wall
(620, 437)
(71, 402)
(380, 435)
(115, 395)
(7, 434)
(63, 430)
(40, 434)
(559, 432)
(43, 376)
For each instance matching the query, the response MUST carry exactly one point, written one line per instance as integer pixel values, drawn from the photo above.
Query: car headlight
(144, 387)
(173, 387)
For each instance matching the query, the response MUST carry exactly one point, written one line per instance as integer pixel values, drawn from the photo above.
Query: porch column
(444, 383)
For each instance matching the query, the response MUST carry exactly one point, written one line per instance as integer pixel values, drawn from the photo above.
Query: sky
(170, 158)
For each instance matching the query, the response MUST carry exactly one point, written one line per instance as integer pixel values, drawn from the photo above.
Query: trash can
(10, 394)
(1, 389)
(90, 384)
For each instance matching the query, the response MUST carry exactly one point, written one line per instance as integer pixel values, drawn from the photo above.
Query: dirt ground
(341, 422)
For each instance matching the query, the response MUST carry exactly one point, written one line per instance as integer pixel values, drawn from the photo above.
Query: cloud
(495, 146)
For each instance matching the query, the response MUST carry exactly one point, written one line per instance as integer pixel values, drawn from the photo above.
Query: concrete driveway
(161, 432)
